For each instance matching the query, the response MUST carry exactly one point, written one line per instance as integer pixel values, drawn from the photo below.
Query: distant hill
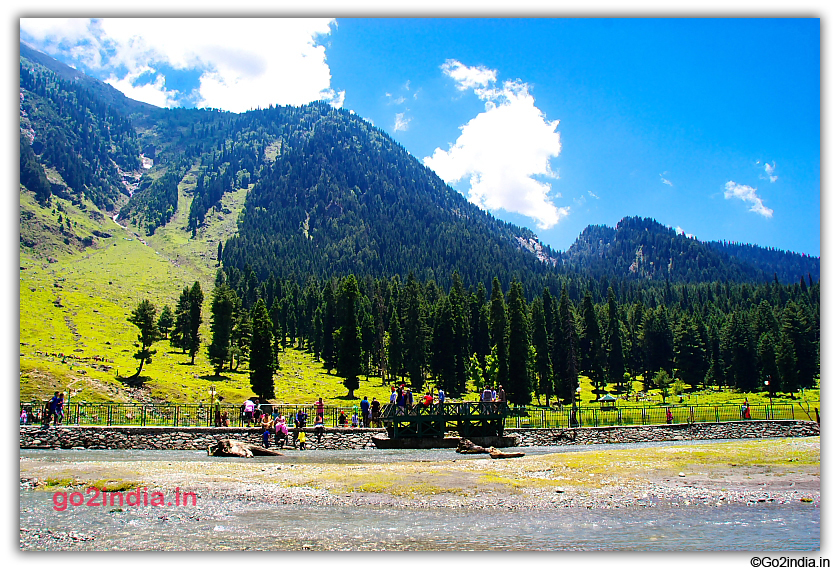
(642, 248)
(328, 194)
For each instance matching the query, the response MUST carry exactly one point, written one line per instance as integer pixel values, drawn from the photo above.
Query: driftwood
(236, 448)
(466, 446)
(496, 454)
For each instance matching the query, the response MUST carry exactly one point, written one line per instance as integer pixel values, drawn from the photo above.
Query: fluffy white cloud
(244, 63)
(770, 170)
(747, 194)
(400, 122)
(468, 77)
(502, 149)
(665, 180)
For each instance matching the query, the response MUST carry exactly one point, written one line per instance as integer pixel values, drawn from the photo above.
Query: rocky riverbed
(716, 474)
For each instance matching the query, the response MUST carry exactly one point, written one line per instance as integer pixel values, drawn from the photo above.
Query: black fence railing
(183, 415)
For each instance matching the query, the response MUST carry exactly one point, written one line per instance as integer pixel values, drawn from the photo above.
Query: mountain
(642, 248)
(328, 194)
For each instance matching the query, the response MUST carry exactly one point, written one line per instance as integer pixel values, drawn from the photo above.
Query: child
(266, 433)
(301, 439)
(355, 420)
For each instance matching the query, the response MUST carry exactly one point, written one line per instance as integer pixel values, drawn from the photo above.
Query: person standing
(281, 430)
(217, 412)
(375, 408)
(248, 411)
(59, 409)
(365, 406)
(393, 399)
(319, 408)
(319, 428)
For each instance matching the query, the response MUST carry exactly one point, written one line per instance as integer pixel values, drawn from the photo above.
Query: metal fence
(175, 415)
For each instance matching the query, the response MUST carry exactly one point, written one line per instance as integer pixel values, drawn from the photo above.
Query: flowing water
(216, 523)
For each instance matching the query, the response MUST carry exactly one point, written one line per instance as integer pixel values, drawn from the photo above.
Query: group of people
(53, 411)
(403, 398)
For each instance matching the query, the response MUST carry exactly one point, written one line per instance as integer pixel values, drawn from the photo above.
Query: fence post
(109, 415)
(143, 416)
(717, 414)
(175, 417)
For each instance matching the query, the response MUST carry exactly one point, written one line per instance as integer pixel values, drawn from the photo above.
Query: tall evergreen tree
(263, 361)
(689, 352)
(221, 326)
(592, 354)
(519, 385)
(542, 356)
(196, 300)
(180, 337)
(566, 348)
(395, 346)
(499, 331)
(329, 326)
(414, 333)
(349, 345)
(615, 349)
(165, 322)
(143, 317)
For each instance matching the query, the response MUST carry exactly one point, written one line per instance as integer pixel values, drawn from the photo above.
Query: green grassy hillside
(75, 299)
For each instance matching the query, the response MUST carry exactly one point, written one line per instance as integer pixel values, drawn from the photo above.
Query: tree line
(748, 337)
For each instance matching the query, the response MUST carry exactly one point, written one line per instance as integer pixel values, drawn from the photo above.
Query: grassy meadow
(75, 300)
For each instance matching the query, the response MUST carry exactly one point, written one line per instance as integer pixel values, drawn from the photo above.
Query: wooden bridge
(469, 419)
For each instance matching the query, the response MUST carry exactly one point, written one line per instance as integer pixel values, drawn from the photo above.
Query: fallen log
(496, 454)
(466, 446)
(236, 448)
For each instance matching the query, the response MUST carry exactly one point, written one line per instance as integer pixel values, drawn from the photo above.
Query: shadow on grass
(214, 378)
(346, 397)
(132, 381)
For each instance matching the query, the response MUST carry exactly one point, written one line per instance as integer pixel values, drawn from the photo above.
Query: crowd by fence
(172, 414)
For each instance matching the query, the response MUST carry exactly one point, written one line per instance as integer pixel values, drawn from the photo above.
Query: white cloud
(152, 93)
(244, 63)
(770, 170)
(591, 193)
(502, 149)
(747, 194)
(665, 180)
(468, 77)
(401, 123)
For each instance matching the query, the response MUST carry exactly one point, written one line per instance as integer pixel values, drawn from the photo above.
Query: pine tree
(415, 333)
(615, 350)
(181, 330)
(519, 386)
(263, 361)
(689, 352)
(221, 327)
(499, 330)
(566, 348)
(329, 327)
(165, 321)
(542, 356)
(395, 346)
(349, 345)
(143, 317)
(196, 298)
(592, 354)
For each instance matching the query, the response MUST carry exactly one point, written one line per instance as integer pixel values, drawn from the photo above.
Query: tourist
(319, 407)
(257, 410)
(375, 409)
(217, 415)
(486, 398)
(265, 422)
(365, 405)
(409, 399)
(441, 399)
(281, 430)
(669, 417)
(23, 417)
(354, 421)
(58, 413)
(248, 411)
(49, 409)
(225, 420)
(342, 419)
(427, 400)
(400, 401)
(266, 433)
(300, 420)
(301, 439)
(502, 395)
(393, 399)
(319, 427)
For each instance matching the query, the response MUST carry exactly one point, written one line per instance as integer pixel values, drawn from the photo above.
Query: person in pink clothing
(319, 408)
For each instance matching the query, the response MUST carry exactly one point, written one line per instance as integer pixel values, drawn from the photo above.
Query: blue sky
(711, 126)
